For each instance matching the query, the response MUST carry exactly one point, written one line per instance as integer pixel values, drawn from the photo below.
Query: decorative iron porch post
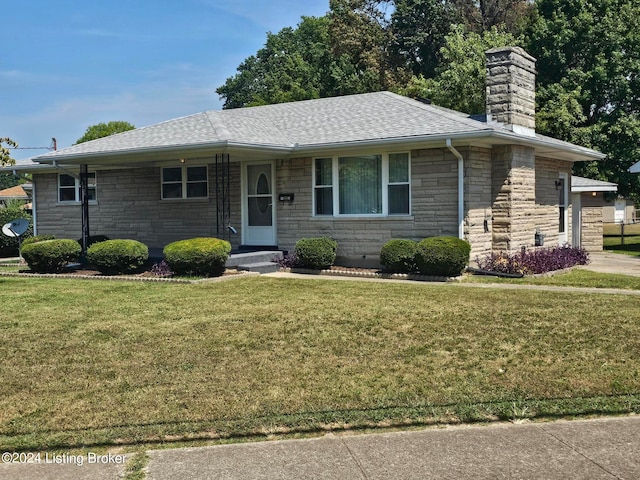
(84, 195)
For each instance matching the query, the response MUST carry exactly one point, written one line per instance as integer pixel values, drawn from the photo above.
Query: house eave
(161, 153)
(257, 151)
(588, 189)
(485, 138)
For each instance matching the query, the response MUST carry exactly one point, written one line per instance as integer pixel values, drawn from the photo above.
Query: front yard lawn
(88, 363)
(577, 277)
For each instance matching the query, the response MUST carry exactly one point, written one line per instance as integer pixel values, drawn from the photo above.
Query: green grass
(574, 278)
(90, 363)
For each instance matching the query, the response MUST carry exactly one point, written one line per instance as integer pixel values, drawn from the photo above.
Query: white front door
(259, 226)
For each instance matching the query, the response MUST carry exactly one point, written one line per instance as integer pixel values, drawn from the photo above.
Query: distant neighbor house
(362, 169)
(21, 193)
(588, 211)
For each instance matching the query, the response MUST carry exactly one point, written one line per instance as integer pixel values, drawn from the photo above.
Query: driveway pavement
(614, 263)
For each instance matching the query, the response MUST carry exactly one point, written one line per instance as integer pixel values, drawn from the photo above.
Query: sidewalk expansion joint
(355, 459)
(574, 449)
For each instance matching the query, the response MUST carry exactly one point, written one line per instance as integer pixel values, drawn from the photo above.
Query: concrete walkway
(605, 448)
(614, 263)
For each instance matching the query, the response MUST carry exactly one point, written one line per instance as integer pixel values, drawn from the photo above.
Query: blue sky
(69, 64)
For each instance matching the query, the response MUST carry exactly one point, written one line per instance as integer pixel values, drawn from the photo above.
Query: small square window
(69, 188)
(185, 182)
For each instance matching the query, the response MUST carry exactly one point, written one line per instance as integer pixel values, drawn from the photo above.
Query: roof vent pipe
(458, 155)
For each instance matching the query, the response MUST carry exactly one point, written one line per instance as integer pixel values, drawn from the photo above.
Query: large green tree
(419, 29)
(481, 15)
(588, 66)
(459, 82)
(104, 130)
(295, 64)
(361, 37)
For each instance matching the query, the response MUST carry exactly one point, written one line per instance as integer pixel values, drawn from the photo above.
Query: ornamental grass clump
(531, 262)
(442, 256)
(51, 256)
(114, 257)
(316, 253)
(202, 256)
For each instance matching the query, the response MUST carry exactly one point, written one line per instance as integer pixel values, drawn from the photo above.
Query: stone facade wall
(129, 205)
(434, 209)
(478, 200)
(547, 199)
(514, 197)
(505, 199)
(592, 222)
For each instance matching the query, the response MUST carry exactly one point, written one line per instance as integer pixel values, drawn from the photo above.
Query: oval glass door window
(262, 188)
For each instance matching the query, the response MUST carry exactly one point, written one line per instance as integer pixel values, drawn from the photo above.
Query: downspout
(62, 169)
(34, 210)
(458, 155)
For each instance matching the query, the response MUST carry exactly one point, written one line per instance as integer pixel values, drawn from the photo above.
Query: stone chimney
(511, 89)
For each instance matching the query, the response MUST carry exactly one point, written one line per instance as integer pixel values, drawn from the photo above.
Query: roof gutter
(571, 151)
(152, 153)
(458, 155)
(166, 150)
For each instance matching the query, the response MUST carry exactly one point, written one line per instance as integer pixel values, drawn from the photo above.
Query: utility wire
(31, 148)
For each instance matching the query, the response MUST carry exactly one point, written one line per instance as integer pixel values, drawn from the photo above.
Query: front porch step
(237, 259)
(260, 267)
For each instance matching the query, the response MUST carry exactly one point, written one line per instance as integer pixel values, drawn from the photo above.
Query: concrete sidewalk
(587, 449)
(605, 448)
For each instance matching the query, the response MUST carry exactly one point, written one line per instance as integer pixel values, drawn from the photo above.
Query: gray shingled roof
(354, 119)
(581, 184)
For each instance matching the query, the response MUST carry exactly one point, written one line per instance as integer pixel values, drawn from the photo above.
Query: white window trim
(336, 188)
(563, 237)
(184, 183)
(77, 199)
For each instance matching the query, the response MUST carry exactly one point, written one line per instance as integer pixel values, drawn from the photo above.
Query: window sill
(362, 218)
(184, 200)
(75, 204)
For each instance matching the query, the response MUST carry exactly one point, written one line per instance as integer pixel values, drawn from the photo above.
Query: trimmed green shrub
(9, 245)
(38, 238)
(198, 256)
(316, 253)
(94, 239)
(442, 256)
(113, 257)
(398, 256)
(51, 256)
